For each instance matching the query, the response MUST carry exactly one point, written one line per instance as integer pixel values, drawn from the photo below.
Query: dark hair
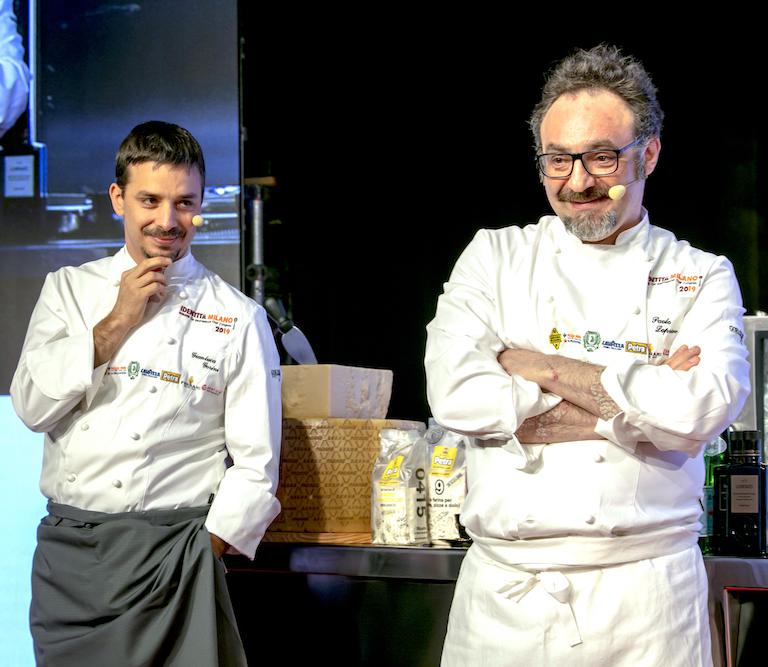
(157, 141)
(603, 67)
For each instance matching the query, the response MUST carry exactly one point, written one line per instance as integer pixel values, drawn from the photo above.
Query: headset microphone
(618, 191)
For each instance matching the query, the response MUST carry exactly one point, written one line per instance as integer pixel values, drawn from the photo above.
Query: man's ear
(116, 196)
(652, 150)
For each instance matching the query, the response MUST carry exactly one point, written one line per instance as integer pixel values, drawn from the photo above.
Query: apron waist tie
(558, 586)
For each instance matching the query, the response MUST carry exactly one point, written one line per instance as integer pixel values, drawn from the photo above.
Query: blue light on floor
(23, 505)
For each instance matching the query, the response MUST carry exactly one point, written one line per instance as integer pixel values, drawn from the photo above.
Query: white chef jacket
(14, 75)
(152, 428)
(636, 494)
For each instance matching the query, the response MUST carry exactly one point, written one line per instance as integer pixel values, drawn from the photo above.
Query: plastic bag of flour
(399, 496)
(447, 482)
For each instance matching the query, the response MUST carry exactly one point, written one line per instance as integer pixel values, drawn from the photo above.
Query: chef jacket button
(135, 436)
(116, 283)
(637, 310)
(590, 519)
(84, 427)
(171, 340)
(116, 483)
(550, 299)
(530, 519)
(599, 458)
(71, 477)
(183, 295)
(152, 389)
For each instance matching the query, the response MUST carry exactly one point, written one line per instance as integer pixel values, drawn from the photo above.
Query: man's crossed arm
(578, 383)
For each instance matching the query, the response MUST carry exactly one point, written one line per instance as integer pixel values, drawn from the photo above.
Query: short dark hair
(603, 67)
(157, 141)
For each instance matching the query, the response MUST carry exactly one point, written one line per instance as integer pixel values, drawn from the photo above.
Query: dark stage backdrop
(394, 137)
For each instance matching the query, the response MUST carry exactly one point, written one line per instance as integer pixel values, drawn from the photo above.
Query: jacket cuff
(241, 513)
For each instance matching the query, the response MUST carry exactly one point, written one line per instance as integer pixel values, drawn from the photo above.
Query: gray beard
(591, 228)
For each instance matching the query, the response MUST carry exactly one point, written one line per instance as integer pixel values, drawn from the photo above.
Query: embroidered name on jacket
(208, 362)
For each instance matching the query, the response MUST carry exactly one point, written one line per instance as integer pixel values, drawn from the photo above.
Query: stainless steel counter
(370, 605)
(375, 561)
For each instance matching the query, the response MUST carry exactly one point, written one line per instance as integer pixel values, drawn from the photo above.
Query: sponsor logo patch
(167, 376)
(133, 370)
(591, 341)
(555, 338)
(189, 383)
(737, 331)
(637, 348)
(149, 373)
(117, 370)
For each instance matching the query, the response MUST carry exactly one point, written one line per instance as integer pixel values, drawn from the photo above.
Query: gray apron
(131, 589)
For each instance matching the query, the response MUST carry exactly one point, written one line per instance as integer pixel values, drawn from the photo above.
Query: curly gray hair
(602, 67)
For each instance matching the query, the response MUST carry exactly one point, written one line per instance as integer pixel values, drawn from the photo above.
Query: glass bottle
(715, 454)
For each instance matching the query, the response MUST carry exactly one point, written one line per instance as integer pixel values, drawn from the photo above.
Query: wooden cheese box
(325, 479)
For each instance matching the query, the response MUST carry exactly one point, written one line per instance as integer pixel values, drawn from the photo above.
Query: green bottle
(715, 454)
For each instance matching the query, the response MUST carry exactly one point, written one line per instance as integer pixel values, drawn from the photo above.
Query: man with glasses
(592, 354)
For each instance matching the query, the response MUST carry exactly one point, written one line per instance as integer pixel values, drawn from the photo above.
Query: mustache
(595, 192)
(175, 233)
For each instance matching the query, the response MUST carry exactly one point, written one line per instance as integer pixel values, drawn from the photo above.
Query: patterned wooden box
(325, 479)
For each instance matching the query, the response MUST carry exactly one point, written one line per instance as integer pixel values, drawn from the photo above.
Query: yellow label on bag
(391, 474)
(443, 460)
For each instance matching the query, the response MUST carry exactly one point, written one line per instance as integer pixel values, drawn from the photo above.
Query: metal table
(371, 605)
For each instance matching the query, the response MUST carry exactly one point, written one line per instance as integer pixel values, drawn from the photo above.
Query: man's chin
(172, 253)
(591, 228)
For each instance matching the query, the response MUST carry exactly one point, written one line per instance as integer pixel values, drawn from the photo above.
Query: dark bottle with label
(740, 499)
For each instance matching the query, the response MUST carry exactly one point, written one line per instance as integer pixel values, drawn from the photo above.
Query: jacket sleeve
(468, 390)
(681, 410)
(55, 371)
(245, 503)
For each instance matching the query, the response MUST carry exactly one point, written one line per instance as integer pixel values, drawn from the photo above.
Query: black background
(393, 138)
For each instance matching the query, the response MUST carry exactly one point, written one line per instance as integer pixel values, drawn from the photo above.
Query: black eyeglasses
(596, 163)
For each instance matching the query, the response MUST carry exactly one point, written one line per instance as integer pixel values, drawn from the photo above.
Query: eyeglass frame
(578, 156)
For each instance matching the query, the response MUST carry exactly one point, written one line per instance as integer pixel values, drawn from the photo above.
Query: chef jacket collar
(182, 268)
(636, 236)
